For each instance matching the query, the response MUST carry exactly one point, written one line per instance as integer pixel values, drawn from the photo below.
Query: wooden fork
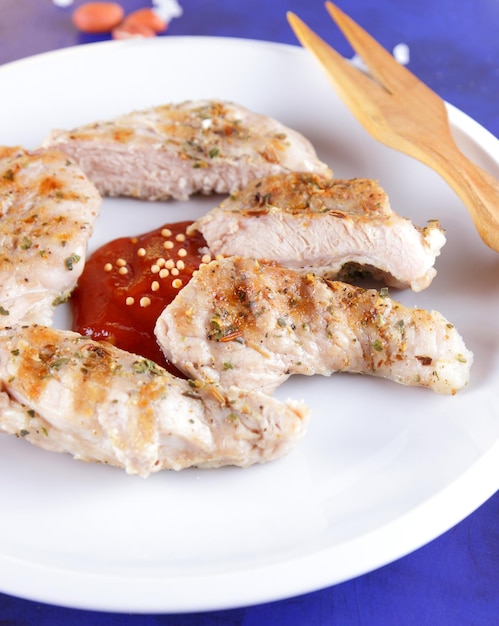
(403, 113)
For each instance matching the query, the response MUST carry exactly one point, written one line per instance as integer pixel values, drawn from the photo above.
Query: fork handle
(478, 190)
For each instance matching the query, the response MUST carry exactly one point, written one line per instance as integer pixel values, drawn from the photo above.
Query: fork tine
(402, 112)
(381, 64)
(357, 90)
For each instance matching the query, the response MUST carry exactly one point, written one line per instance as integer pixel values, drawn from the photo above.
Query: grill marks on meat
(253, 324)
(329, 226)
(241, 326)
(47, 209)
(176, 150)
(67, 393)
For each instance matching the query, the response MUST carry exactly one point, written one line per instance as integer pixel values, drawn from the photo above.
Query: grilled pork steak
(253, 324)
(48, 208)
(67, 393)
(176, 150)
(314, 223)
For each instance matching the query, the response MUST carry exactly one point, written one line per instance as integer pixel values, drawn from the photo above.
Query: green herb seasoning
(26, 243)
(377, 345)
(146, 366)
(71, 261)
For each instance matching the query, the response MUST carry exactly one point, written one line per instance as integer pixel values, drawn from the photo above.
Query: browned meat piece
(67, 393)
(47, 208)
(314, 223)
(176, 150)
(253, 324)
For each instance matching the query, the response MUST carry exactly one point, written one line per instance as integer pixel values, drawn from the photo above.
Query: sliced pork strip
(67, 393)
(253, 324)
(314, 223)
(47, 208)
(176, 150)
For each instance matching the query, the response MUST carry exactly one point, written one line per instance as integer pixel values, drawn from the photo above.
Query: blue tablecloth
(454, 48)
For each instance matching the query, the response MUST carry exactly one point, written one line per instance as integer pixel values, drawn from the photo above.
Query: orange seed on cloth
(147, 17)
(97, 17)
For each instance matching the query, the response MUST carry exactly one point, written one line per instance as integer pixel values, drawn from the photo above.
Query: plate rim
(131, 600)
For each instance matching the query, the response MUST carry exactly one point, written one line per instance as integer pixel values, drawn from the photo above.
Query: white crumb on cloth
(167, 9)
(401, 53)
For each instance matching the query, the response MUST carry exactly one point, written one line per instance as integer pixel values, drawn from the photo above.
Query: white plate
(383, 469)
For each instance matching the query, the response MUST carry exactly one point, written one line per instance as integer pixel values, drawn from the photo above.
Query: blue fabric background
(454, 48)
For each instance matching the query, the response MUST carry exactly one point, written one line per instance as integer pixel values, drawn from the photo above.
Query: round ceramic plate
(382, 470)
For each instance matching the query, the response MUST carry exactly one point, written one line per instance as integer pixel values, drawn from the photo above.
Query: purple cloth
(454, 48)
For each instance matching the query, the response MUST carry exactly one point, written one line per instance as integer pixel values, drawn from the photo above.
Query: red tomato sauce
(127, 283)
